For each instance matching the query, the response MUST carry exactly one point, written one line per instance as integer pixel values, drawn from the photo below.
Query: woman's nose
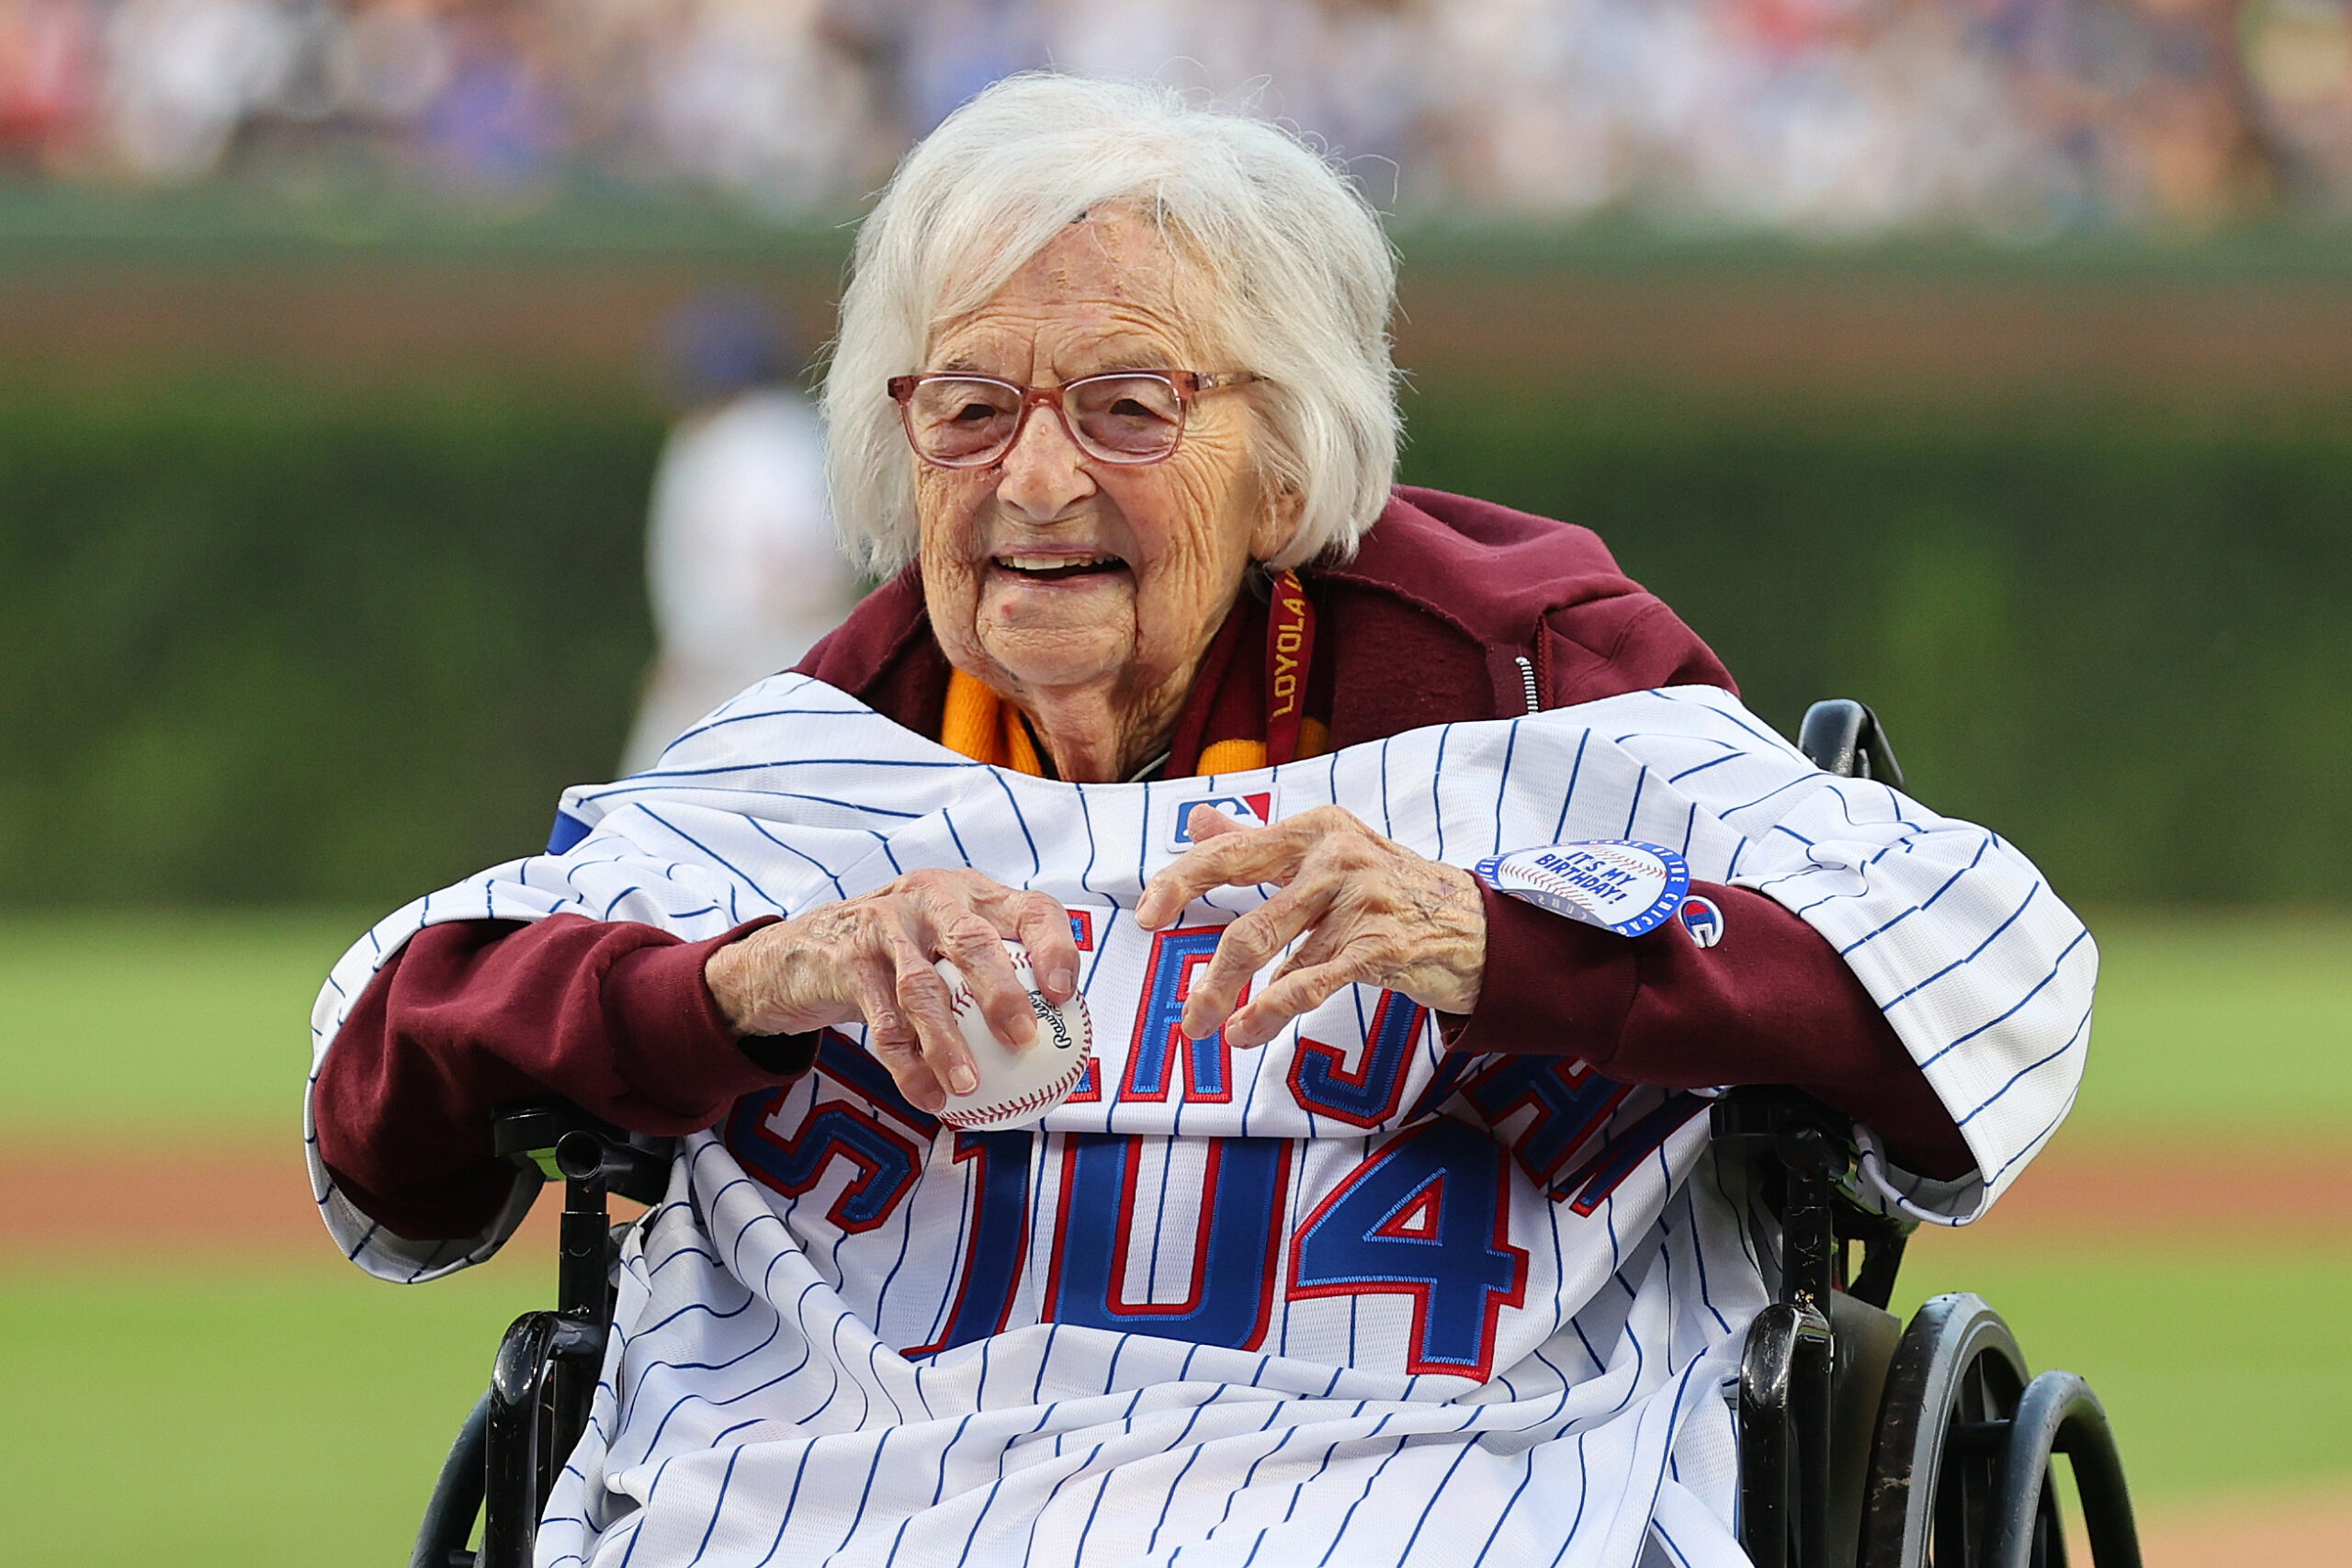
(1044, 473)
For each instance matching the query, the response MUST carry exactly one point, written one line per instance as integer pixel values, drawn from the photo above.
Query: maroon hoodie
(1453, 610)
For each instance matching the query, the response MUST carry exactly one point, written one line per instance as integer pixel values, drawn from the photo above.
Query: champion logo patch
(1703, 921)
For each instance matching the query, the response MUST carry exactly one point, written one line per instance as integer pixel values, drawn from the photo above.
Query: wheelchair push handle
(1844, 737)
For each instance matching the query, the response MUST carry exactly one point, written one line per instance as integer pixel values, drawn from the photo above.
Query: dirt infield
(199, 1203)
(210, 1201)
(2298, 1530)
(2137, 1192)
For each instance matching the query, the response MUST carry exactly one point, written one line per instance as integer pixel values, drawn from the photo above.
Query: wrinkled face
(1053, 572)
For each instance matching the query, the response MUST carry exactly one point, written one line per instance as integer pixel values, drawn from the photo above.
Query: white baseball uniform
(1341, 1299)
(741, 563)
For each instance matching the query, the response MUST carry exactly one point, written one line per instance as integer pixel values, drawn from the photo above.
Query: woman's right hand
(869, 959)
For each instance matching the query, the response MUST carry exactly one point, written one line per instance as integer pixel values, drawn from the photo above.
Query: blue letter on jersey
(1175, 954)
(845, 1062)
(1428, 1217)
(995, 1241)
(1571, 1102)
(1319, 1081)
(1594, 1182)
(1234, 1245)
(885, 1164)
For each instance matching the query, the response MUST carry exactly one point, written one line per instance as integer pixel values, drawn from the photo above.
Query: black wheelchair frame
(1863, 1442)
(513, 1444)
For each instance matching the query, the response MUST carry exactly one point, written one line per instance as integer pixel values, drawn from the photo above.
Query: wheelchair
(1864, 1442)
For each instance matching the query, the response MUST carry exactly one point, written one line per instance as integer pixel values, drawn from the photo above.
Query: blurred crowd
(2009, 117)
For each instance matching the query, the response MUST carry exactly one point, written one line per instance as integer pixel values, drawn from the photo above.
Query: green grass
(288, 1415)
(2221, 1025)
(2221, 1372)
(191, 1020)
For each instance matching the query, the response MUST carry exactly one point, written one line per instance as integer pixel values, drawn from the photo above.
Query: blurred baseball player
(741, 559)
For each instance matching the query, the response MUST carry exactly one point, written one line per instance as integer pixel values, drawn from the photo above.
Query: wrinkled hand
(1374, 913)
(870, 958)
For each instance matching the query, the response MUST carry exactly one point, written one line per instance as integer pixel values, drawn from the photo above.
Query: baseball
(1018, 1085)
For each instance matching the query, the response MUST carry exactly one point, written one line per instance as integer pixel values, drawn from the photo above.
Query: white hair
(1298, 279)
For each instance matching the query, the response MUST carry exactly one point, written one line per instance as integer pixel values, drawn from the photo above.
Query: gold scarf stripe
(981, 725)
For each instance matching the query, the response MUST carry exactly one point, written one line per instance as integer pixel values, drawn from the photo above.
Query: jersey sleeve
(470, 1017)
(1766, 1002)
(581, 977)
(1981, 971)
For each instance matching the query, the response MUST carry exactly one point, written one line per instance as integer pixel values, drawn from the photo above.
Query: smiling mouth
(1057, 569)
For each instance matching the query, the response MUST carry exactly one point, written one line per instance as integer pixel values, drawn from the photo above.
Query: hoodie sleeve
(473, 1015)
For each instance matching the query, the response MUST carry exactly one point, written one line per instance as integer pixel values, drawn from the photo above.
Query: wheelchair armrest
(1787, 1125)
(563, 1143)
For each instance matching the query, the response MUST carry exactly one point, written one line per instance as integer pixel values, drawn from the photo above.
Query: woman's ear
(1277, 526)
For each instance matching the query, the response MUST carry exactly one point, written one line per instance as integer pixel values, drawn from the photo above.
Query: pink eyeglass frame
(1188, 385)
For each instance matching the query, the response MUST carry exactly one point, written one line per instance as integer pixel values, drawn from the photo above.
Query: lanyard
(1290, 654)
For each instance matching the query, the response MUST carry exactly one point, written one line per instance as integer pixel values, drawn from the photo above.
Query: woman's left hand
(1373, 912)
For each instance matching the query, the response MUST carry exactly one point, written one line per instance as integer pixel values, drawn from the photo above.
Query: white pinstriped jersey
(1339, 1299)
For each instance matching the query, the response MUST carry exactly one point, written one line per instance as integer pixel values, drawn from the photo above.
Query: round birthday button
(1619, 884)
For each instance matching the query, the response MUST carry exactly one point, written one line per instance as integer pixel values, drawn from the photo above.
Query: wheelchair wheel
(1935, 1463)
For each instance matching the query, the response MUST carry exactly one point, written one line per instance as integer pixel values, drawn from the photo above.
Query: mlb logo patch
(1255, 810)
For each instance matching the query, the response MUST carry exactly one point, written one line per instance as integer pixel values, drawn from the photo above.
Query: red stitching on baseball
(1036, 1099)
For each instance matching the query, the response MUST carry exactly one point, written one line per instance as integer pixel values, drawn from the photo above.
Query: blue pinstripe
(839, 891)
(1974, 954)
(717, 1504)
(2011, 1011)
(1568, 796)
(1035, 865)
(1929, 902)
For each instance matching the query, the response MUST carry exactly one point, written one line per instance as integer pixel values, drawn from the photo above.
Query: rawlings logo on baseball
(1018, 1084)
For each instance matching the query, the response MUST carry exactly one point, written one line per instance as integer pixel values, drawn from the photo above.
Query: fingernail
(963, 1080)
(1063, 979)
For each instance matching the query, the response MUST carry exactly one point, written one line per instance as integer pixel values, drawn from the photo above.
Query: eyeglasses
(1127, 416)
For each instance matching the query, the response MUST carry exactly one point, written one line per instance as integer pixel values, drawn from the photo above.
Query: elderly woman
(1383, 1227)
